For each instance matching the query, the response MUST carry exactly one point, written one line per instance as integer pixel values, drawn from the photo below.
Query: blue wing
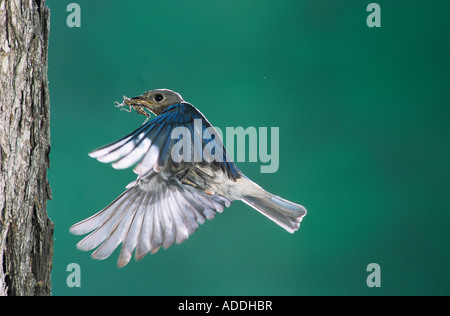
(150, 146)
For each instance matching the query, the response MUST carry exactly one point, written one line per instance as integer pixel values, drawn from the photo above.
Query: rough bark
(26, 232)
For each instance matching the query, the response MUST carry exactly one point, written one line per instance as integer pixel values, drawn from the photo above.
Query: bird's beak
(140, 100)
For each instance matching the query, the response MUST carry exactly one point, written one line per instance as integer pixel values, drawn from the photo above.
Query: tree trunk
(26, 232)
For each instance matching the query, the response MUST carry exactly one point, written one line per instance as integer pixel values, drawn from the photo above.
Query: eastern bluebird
(171, 196)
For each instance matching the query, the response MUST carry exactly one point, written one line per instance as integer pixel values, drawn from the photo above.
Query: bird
(172, 196)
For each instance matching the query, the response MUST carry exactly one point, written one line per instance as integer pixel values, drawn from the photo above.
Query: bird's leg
(204, 176)
(185, 177)
(196, 178)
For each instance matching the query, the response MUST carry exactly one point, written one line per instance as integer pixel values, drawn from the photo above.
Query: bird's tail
(283, 212)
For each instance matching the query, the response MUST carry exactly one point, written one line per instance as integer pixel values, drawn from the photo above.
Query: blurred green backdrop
(364, 139)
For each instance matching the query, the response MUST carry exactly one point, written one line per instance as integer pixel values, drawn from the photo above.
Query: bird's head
(156, 100)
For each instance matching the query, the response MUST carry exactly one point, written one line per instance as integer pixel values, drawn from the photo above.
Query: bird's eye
(159, 97)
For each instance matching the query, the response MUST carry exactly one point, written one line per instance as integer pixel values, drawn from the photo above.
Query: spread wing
(180, 134)
(155, 213)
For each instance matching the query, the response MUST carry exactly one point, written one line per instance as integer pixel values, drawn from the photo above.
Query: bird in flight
(184, 177)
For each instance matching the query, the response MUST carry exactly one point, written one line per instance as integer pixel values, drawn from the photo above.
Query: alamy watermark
(372, 20)
(74, 277)
(374, 277)
(74, 17)
(192, 148)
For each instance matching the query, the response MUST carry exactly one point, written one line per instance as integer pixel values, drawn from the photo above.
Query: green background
(364, 140)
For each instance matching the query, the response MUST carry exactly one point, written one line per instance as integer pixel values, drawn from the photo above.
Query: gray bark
(26, 232)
